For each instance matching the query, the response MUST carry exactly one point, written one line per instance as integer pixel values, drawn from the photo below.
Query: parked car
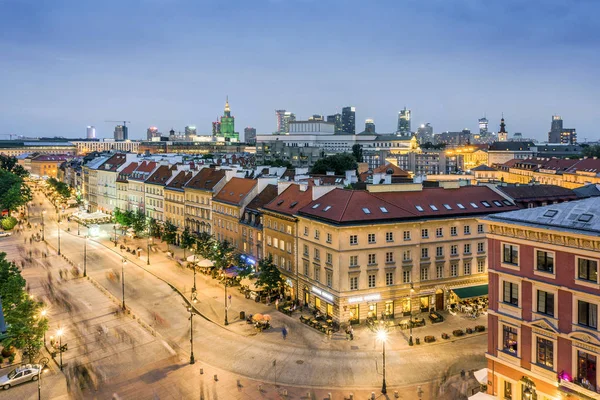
(24, 373)
(5, 234)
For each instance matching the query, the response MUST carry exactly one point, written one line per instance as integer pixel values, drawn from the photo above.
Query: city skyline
(60, 83)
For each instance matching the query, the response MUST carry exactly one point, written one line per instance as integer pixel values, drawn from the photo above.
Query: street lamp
(194, 268)
(58, 230)
(382, 337)
(410, 324)
(148, 249)
(43, 362)
(78, 225)
(225, 280)
(59, 333)
(115, 229)
(43, 226)
(85, 255)
(191, 311)
(43, 313)
(123, 262)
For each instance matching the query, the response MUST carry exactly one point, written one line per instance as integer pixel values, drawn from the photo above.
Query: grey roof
(581, 216)
(587, 191)
(483, 167)
(96, 162)
(511, 146)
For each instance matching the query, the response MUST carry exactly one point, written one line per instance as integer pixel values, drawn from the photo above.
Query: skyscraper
(425, 133)
(228, 125)
(369, 126)
(349, 120)
(483, 126)
(91, 132)
(403, 123)
(554, 136)
(250, 135)
(337, 120)
(283, 121)
(216, 127)
(190, 132)
(502, 134)
(152, 132)
(121, 132)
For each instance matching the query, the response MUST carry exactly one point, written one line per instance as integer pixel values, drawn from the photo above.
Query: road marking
(169, 348)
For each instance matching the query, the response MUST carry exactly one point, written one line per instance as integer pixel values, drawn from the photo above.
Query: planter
(469, 330)
(429, 339)
(479, 328)
(445, 336)
(458, 332)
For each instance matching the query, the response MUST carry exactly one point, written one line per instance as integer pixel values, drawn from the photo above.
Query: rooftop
(114, 162)
(511, 146)
(537, 192)
(180, 180)
(264, 197)
(161, 175)
(235, 190)
(291, 199)
(50, 157)
(206, 179)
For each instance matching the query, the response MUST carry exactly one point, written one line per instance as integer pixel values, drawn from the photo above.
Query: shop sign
(322, 293)
(368, 297)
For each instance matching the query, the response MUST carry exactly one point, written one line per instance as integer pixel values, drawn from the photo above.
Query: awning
(482, 376)
(472, 291)
(482, 396)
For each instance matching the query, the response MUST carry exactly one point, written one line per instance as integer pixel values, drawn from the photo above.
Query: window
(305, 250)
(354, 283)
(389, 257)
(406, 235)
(305, 267)
(480, 247)
(480, 228)
(424, 273)
(329, 258)
(545, 352)
(454, 250)
(419, 208)
(389, 278)
(371, 238)
(439, 271)
(424, 252)
(383, 210)
(424, 233)
(467, 230)
(389, 236)
(353, 261)
(406, 276)
(545, 261)
(511, 293)
(439, 232)
(372, 259)
(327, 208)
(453, 270)
(510, 339)
(586, 369)
(353, 240)
(329, 238)
(545, 303)
(318, 274)
(480, 267)
(510, 254)
(587, 314)
(467, 248)
(329, 278)
(371, 280)
(447, 206)
(366, 211)
(453, 231)
(406, 255)
(439, 251)
(486, 204)
(507, 390)
(317, 234)
(587, 270)
(433, 207)
(306, 231)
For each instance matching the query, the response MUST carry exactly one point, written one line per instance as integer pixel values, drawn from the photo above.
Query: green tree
(591, 151)
(269, 275)
(223, 255)
(205, 244)
(10, 164)
(169, 234)
(138, 222)
(278, 162)
(8, 223)
(357, 152)
(154, 228)
(187, 240)
(12, 194)
(244, 268)
(339, 163)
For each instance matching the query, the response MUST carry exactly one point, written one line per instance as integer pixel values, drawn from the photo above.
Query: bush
(11, 359)
(458, 332)
(479, 328)
(7, 352)
(1, 360)
(429, 339)
(469, 330)
(445, 336)
(8, 223)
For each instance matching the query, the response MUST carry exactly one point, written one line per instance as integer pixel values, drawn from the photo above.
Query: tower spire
(227, 103)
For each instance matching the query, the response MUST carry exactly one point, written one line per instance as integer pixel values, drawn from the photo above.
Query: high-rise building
(283, 121)
(403, 123)
(568, 136)
(227, 127)
(152, 133)
(369, 126)
(425, 133)
(121, 132)
(216, 128)
(190, 131)
(90, 132)
(554, 136)
(250, 135)
(349, 120)
(502, 134)
(316, 117)
(483, 126)
(337, 120)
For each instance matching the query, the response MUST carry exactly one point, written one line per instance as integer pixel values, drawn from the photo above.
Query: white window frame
(535, 267)
(582, 282)
(507, 265)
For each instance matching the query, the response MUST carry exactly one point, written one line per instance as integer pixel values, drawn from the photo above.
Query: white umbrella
(482, 396)
(205, 263)
(192, 258)
(481, 376)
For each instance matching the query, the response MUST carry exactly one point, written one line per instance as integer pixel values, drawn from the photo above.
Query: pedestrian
(351, 333)
(284, 333)
(277, 304)
(348, 333)
(60, 272)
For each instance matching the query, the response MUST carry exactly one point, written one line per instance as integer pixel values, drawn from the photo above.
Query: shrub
(479, 328)
(429, 339)
(458, 332)
(445, 336)
(6, 352)
(8, 223)
(1, 360)
(469, 330)
(11, 359)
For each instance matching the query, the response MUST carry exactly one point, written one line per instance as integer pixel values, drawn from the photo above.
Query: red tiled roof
(264, 197)
(160, 176)
(206, 179)
(180, 180)
(538, 192)
(560, 165)
(345, 206)
(113, 163)
(125, 172)
(389, 169)
(290, 200)
(235, 190)
(146, 166)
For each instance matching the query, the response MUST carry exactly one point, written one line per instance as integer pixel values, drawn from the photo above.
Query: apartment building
(251, 223)
(174, 200)
(154, 188)
(122, 184)
(544, 337)
(136, 185)
(90, 182)
(107, 174)
(198, 193)
(361, 252)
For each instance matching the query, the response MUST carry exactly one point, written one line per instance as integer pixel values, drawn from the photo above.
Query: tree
(10, 164)
(244, 268)
(357, 152)
(278, 162)
(138, 222)
(431, 146)
(269, 275)
(591, 151)
(169, 234)
(205, 244)
(187, 240)
(339, 163)
(222, 255)
(154, 228)
(12, 194)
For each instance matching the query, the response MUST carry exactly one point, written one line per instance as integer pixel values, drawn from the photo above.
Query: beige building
(360, 252)
(198, 193)
(136, 188)
(174, 207)
(87, 146)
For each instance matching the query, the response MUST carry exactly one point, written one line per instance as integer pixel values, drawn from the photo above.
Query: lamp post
(226, 322)
(191, 310)
(382, 336)
(58, 230)
(410, 324)
(148, 250)
(59, 333)
(43, 314)
(78, 225)
(85, 239)
(194, 268)
(43, 362)
(123, 262)
(43, 226)
(115, 229)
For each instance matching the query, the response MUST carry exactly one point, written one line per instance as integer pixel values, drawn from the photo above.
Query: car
(24, 373)
(5, 234)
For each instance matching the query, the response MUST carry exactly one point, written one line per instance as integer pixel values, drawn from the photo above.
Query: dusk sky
(170, 63)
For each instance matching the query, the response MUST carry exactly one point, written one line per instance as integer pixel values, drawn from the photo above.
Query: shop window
(388, 312)
(586, 370)
(424, 300)
(508, 390)
(372, 311)
(406, 306)
(587, 270)
(545, 303)
(545, 261)
(317, 303)
(545, 352)
(510, 341)
(354, 314)
(329, 310)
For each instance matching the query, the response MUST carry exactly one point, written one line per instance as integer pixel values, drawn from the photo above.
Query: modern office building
(425, 133)
(483, 126)
(544, 292)
(250, 135)
(568, 136)
(403, 123)
(555, 129)
(190, 132)
(283, 120)
(453, 138)
(121, 132)
(316, 117)
(152, 133)
(369, 126)
(90, 132)
(337, 121)
(349, 120)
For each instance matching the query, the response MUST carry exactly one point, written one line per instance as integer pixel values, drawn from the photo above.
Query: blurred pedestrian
(284, 333)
